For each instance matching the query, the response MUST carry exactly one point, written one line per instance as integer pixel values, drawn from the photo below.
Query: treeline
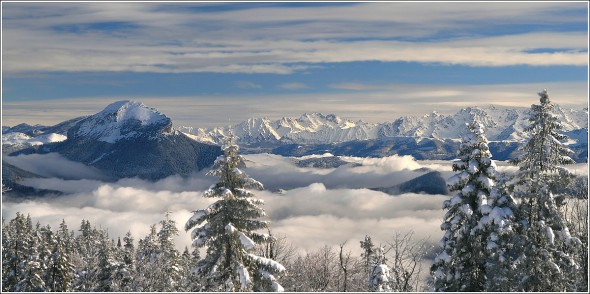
(37, 258)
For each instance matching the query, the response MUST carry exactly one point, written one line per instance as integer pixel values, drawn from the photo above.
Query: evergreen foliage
(228, 229)
(461, 264)
(547, 259)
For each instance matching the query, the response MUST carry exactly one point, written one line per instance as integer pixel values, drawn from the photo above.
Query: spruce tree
(546, 262)
(499, 230)
(14, 250)
(461, 264)
(106, 267)
(126, 271)
(147, 270)
(60, 271)
(228, 229)
(169, 262)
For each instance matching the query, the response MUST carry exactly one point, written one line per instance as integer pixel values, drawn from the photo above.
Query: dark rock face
(142, 157)
(430, 183)
(323, 162)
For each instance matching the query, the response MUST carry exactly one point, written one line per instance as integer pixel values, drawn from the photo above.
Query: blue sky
(204, 63)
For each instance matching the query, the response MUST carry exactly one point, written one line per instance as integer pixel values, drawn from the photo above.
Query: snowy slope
(17, 138)
(501, 123)
(308, 129)
(125, 139)
(122, 120)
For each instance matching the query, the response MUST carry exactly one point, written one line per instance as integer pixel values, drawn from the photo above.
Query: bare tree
(407, 255)
(344, 263)
(277, 248)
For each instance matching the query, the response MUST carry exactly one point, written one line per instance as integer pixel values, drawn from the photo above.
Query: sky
(203, 64)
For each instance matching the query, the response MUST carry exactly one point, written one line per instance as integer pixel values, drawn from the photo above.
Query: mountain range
(129, 139)
(431, 136)
(501, 123)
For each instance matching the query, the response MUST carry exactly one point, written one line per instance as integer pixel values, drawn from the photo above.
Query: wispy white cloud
(368, 102)
(152, 37)
(247, 85)
(294, 86)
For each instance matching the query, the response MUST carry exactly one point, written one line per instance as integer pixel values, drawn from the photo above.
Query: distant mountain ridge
(502, 124)
(431, 136)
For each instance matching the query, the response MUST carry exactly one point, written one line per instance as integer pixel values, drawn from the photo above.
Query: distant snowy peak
(308, 128)
(123, 120)
(501, 123)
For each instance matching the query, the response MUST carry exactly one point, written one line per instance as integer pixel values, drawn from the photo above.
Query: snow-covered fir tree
(228, 229)
(60, 271)
(546, 262)
(126, 271)
(499, 229)
(169, 263)
(106, 267)
(379, 279)
(16, 239)
(147, 270)
(461, 264)
(87, 246)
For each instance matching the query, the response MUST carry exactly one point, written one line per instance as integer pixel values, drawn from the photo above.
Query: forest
(501, 233)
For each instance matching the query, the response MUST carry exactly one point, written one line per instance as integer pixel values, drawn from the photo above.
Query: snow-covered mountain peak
(122, 120)
(134, 110)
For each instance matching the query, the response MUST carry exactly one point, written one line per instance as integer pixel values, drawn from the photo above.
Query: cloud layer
(173, 38)
(320, 206)
(309, 214)
(368, 102)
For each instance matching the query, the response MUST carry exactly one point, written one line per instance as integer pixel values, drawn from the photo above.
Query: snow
(245, 241)
(110, 125)
(444, 256)
(550, 235)
(500, 123)
(244, 276)
(230, 228)
(485, 181)
(469, 188)
(17, 138)
(473, 166)
(268, 262)
(14, 138)
(198, 217)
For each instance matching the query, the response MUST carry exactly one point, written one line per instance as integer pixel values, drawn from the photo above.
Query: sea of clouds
(314, 207)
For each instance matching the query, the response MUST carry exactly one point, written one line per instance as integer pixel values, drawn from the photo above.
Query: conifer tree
(461, 264)
(60, 271)
(32, 267)
(228, 229)
(546, 262)
(126, 270)
(106, 267)
(146, 266)
(379, 279)
(499, 228)
(169, 262)
(14, 251)
(368, 251)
